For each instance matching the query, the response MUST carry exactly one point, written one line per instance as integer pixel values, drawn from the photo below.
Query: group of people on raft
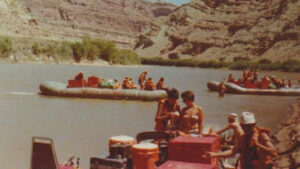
(250, 80)
(144, 82)
(251, 142)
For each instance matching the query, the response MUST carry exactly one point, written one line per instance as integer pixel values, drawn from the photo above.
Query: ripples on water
(82, 127)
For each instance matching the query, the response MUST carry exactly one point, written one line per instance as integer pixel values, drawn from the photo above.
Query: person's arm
(222, 154)
(223, 130)
(159, 116)
(268, 146)
(225, 154)
(200, 121)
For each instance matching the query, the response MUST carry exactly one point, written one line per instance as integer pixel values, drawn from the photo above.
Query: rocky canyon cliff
(118, 20)
(228, 29)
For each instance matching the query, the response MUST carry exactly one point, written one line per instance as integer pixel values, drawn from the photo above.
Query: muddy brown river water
(82, 127)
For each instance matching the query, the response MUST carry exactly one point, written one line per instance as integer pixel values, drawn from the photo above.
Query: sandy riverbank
(287, 140)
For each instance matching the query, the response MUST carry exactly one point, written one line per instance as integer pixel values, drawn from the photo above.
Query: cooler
(184, 165)
(121, 140)
(76, 83)
(192, 149)
(144, 156)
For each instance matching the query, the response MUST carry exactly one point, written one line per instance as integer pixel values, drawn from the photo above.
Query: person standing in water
(168, 112)
(191, 121)
(222, 89)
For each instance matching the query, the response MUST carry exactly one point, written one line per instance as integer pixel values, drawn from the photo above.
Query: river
(82, 127)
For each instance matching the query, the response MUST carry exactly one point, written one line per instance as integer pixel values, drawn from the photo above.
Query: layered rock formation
(288, 140)
(226, 29)
(118, 20)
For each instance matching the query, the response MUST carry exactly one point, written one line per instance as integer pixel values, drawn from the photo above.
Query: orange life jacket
(149, 85)
(253, 157)
(160, 85)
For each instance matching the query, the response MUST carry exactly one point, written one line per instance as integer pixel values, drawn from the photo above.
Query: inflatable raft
(235, 89)
(60, 89)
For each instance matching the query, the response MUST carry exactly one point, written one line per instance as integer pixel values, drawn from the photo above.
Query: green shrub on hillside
(125, 56)
(91, 50)
(78, 51)
(64, 51)
(102, 49)
(107, 49)
(50, 50)
(36, 49)
(6, 47)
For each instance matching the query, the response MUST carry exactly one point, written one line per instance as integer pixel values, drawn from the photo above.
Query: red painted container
(93, 81)
(184, 165)
(192, 149)
(76, 83)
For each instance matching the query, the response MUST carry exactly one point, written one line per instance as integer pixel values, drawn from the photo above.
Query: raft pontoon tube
(60, 89)
(235, 89)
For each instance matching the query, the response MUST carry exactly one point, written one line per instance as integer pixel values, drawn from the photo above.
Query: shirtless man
(160, 84)
(149, 84)
(191, 121)
(117, 85)
(79, 76)
(168, 112)
(235, 126)
(141, 79)
(221, 89)
(131, 84)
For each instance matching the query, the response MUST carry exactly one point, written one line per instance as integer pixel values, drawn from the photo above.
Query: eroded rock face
(288, 140)
(214, 29)
(118, 20)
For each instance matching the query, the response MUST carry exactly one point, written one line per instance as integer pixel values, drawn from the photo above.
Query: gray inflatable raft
(60, 89)
(235, 89)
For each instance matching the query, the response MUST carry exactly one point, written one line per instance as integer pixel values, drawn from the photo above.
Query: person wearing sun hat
(255, 148)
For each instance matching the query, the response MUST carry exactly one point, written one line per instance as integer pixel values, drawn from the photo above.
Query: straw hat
(247, 118)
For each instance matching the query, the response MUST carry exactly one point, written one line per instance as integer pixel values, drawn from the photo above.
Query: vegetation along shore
(98, 50)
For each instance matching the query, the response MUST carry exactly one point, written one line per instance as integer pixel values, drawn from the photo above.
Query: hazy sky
(177, 2)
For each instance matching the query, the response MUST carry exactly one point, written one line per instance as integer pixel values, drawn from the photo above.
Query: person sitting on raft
(245, 75)
(131, 84)
(230, 79)
(264, 83)
(79, 76)
(126, 83)
(160, 84)
(149, 84)
(117, 85)
(235, 126)
(142, 78)
(191, 121)
(255, 148)
(290, 83)
(255, 75)
(168, 112)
